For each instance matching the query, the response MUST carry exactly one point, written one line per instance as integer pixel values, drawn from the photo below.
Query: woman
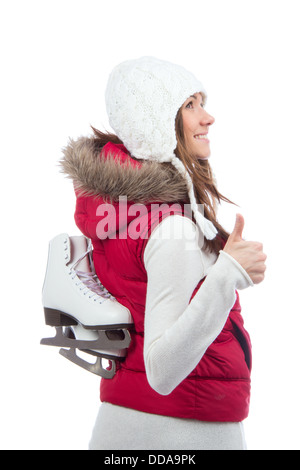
(185, 383)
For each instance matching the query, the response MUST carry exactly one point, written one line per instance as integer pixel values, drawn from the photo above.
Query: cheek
(189, 139)
(187, 123)
(187, 130)
(192, 143)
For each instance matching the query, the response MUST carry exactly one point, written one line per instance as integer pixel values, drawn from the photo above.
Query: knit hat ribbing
(143, 97)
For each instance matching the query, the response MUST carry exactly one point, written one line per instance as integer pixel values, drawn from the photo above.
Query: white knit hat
(143, 97)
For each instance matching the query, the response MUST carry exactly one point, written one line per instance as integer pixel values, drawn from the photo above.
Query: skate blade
(109, 355)
(104, 341)
(95, 368)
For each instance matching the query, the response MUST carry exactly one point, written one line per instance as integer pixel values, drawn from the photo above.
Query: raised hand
(248, 254)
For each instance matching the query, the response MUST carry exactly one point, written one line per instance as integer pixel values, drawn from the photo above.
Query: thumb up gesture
(248, 254)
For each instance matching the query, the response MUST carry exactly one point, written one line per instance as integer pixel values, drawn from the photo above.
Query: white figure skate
(73, 297)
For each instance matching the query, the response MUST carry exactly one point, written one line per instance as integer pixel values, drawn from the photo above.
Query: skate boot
(73, 297)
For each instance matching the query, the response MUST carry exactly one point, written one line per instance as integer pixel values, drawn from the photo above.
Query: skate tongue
(81, 264)
(79, 245)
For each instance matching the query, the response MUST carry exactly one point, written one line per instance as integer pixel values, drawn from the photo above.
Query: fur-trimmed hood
(110, 172)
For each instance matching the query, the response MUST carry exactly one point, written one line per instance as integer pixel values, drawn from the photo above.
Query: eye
(189, 105)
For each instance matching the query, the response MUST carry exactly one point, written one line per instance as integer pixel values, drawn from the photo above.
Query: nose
(209, 120)
(206, 119)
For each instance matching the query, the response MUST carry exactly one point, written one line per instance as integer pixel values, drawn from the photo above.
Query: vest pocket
(244, 340)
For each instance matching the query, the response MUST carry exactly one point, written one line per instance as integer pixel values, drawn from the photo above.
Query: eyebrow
(195, 97)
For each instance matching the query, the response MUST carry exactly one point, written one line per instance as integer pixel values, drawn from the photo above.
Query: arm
(177, 333)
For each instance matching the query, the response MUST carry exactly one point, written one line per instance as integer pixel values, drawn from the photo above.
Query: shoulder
(174, 236)
(175, 227)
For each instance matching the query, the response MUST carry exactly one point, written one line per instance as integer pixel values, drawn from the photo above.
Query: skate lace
(89, 281)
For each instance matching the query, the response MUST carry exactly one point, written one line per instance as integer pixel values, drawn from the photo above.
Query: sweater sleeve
(177, 331)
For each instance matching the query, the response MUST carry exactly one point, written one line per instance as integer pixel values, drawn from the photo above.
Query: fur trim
(109, 178)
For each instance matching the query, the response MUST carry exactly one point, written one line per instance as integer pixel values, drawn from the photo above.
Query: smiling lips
(201, 137)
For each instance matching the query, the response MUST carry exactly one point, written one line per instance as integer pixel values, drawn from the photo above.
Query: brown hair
(102, 138)
(204, 185)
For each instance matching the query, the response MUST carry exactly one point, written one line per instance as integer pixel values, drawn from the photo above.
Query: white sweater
(177, 334)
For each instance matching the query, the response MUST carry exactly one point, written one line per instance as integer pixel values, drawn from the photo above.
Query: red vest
(218, 389)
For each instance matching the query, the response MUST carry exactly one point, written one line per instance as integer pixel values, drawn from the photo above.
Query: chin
(202, 154)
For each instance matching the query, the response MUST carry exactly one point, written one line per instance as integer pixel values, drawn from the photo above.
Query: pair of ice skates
(85, 315)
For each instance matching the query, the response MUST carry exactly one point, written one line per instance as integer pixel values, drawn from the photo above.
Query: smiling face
(196, 122)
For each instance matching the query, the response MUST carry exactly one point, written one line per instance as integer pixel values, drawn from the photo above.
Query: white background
(55, 60)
